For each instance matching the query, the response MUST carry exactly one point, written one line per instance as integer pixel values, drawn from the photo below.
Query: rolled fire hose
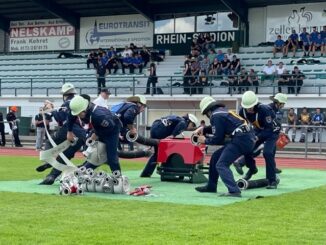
(142, 140)
(250, 184)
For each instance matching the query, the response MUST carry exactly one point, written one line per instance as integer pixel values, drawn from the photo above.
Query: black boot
(278, 171)
(250, 173)
(148, 170)
(43, 167)
(229, 194)
(272, 185)
(49, 180)
(206, 188)
(238, 167)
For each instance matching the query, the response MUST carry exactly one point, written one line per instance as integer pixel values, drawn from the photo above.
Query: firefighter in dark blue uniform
(242, 139)
(127, 114)
(279, 101)
(105, 124)
(262, 117)
(61, 116)
(171, 125)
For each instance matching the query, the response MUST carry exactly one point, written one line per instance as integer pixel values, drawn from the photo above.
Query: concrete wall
(257, 25)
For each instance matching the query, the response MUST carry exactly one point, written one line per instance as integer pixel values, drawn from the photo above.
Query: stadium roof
(72, 10)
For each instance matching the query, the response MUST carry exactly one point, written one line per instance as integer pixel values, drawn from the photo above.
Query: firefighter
(169, 126)
(105, 124)
(242, 139)
(263, 118)
(13, 124)
(61, 116)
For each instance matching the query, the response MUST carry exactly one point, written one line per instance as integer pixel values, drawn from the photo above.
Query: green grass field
(294, 218)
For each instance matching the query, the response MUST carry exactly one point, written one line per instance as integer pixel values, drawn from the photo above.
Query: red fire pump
(179, 158)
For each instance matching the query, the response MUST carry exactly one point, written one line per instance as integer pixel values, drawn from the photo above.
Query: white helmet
(68, 88)
(206, 103)
(249, 100)
(138, 98)
(193, 119)
(280, 98)
(77, 105)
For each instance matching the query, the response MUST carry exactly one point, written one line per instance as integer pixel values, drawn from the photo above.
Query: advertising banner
(117, 31)
(281, 19)
(180, 43)
(41, 35)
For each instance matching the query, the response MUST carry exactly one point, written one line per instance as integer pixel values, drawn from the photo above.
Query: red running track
(281, 162)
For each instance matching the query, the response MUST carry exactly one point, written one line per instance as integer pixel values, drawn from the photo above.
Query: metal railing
(170, 85)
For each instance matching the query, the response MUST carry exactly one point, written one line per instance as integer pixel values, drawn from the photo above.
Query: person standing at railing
(2, 130)
(292, 122)
(318, 119)
(13, 124)
(304, 120)
(152, 79)
(101, 72)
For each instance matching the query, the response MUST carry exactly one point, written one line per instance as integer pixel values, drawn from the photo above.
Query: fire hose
(250, 184)
(141, 140)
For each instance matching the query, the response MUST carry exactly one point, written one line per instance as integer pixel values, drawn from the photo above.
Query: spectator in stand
(209, 43)
(211, 56)
(127, 52)
(104, 59)
(232, 81)
(229, 54)
(195, 45)
(220, 55)
(292, 122)
(291, 43)
(204, 65)
(304, 120)
(235, 64)
(201, 42)
(313, 37)
(202, 82)
(13, 124)
(284, 80)
(152, 79)
(296, 81)
(103, 98)
(318, 44)
(215, 68)
(305, 42)
(145, 55)
(92, 59)
(127, 63)
(195, 69)
(137, 62)
(269, 71)
(225, 65)
(253, 80)
(133, 48)
(278, 46)
(243, 81)
(280, 68)
(323, 36)
(318, 119)
(40, 130)
(101, 73)
(2, 130)
(112, 62)
(187, 75)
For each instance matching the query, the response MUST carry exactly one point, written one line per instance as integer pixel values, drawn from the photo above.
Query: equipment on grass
(179, 158)
(141, 190)
(250, 184)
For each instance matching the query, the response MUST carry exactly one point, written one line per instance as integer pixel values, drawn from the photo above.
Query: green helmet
(280, 98)
(68, 88)
(77, 105)
(206, 103)
(249, 100)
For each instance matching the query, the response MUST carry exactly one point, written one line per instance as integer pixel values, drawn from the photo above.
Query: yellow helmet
(137, 98)
(280, 98)
(68, 88)
(249, 100)
(77, 105)
(206, 103)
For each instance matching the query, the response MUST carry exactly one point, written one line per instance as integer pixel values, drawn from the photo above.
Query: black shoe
(43, 167)
(278, 171)
(313, 141)
(250, 173)
(301, 140)
(293, 140)
(205, 188)
(19, 145)
(238, 168)
(145, 175)
(272, 185)
(228, 194)
(49, 180)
